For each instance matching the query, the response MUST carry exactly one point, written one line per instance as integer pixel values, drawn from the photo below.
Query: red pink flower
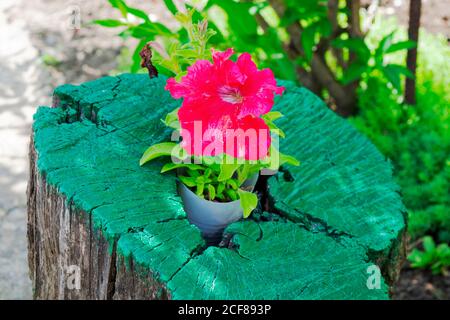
(222, 104)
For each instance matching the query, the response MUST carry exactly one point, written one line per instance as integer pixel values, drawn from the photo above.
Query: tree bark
(354, 20)
(415, 7)
(63, 245)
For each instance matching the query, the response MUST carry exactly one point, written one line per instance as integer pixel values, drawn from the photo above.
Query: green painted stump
(94, 213)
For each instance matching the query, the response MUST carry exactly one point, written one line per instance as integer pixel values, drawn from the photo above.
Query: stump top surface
(340, 210)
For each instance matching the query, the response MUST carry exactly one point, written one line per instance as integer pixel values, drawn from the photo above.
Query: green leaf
(393, 77)
(201, 179)
(220, 197)
(274, 128)
(171, 6)
(193, 173)
(227, 170)
(220, 188)
(110, 23)
(269, 118)
(231, 194)
(171, 166)
(200, 188)
(156, 151)
(428, 244)
(211, 192)
(249, 201)
(402, 70)
(384, 45)
(308, 41)
(356, 45)
(284, 158)
(277, 159)
(187, 53)
(121, 5)
(246, 171)
(125, 9)
(180, 75)
(207, 173)
(325, 28)
(241, 23)
(274, 163)
(272, 116)
(408, 44)
(233, 184)
(171, 119)
(353, 73)
(139, 13)
(283, 67)
(149, 30)
(189, 181)
(393, 73)
(437, 258)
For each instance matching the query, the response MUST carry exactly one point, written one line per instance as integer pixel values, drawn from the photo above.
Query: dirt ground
(42, 47)
(421, 285)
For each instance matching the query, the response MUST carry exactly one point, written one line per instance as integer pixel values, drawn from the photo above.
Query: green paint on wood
(162, 247)
(342, 204)
(276, 260)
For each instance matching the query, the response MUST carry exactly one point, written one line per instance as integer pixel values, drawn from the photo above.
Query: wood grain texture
(90, 205)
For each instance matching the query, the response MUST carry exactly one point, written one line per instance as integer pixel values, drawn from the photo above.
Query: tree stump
(102, 227)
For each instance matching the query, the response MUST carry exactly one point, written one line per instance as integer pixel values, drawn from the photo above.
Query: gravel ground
(34, 31)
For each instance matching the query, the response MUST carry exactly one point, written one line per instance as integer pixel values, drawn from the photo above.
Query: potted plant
(227, 130)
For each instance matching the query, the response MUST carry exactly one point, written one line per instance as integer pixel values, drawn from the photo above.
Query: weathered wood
(60, 236)
(90, 205)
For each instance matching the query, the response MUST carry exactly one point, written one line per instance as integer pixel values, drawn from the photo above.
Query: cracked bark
(60, 236)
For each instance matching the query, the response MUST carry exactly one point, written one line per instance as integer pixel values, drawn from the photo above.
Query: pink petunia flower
(226, 99)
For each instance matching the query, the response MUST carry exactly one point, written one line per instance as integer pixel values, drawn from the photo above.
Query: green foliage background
(415, 138)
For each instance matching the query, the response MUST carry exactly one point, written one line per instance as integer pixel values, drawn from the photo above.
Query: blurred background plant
(355, 60)
(318, 43)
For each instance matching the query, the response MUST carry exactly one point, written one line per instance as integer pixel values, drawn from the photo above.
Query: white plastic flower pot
(209, 216)
(268, 172)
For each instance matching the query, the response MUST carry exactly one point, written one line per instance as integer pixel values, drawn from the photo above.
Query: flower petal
(195, 83)
(246, 65)
(221, 56)
(222, 104)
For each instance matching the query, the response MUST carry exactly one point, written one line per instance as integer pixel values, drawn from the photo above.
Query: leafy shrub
(434, 219)
(437, 258)
(415, 138)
